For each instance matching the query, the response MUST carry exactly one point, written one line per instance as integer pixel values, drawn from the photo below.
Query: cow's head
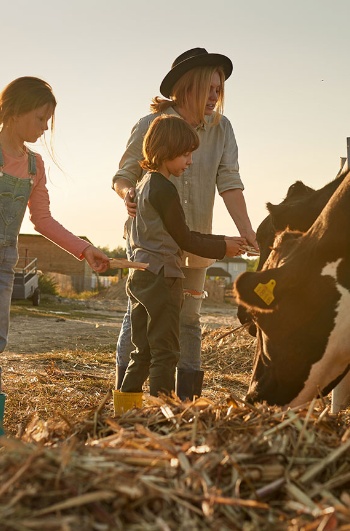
(289, 213)
(298, 211)
(293, 304)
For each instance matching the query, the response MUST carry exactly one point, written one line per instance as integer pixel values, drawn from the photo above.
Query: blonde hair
(168, 137)
(191, 91)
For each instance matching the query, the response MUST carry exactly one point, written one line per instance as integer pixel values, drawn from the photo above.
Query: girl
(194, 90)
(158, 234)
(27, 104)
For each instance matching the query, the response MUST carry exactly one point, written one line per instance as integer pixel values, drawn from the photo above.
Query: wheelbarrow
(2, 408)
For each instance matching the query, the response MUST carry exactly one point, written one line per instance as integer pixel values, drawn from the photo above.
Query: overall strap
(31, 163)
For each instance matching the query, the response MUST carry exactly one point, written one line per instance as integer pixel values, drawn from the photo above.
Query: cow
(300, 304)
(298, 210)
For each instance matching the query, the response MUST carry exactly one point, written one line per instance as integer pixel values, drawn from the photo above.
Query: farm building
(69, 272)
(221, 276)
(228, 269)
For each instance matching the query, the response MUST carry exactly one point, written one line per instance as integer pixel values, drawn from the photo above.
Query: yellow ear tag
(265, 291)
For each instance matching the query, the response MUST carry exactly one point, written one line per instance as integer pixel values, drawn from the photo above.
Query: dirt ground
(91, 323)
(168, 462)
(62, 354)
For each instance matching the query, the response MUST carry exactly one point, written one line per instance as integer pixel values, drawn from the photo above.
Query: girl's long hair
(23, 95)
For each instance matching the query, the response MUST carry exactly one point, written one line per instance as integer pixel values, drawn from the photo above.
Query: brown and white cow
(300, 304)
(298, 211)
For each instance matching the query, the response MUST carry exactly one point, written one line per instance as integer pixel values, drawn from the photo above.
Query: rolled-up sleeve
(228, 177)
(129, 167)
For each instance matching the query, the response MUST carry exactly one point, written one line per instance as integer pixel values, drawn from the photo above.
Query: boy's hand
(235, 245)
(250, 250)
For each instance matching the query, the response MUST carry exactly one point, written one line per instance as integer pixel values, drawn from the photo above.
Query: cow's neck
(331, 229)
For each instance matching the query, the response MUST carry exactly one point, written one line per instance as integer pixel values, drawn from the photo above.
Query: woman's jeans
(8, 260)
(190, 327)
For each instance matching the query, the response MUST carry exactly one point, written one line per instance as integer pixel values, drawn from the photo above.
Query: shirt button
(185, 201)
(186, 182)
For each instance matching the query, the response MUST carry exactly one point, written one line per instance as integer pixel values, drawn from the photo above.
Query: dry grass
(218, 464)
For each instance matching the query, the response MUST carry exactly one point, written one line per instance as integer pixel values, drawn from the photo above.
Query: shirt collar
(203, 125)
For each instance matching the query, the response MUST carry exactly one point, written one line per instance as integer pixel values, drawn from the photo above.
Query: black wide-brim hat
(191, 59)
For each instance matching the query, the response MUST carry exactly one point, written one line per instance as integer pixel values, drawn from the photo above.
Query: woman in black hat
(194, 90)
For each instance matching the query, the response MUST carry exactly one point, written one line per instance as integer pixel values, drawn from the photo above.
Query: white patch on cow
(337, 354)
(330, 269)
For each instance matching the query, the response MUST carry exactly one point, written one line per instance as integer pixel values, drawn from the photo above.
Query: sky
(287, 99)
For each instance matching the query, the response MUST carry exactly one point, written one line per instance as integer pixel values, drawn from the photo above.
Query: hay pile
(215, 464)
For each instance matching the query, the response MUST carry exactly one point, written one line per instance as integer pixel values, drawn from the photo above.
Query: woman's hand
(250, 236)
(129, 200)
(96, 259)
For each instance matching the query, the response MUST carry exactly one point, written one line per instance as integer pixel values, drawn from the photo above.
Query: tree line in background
(119, 252)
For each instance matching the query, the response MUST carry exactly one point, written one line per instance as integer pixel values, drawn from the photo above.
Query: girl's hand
(96, 259)
(129, 201)
(235, 245)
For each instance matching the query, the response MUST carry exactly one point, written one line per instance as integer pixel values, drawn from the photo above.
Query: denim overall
(14, 195)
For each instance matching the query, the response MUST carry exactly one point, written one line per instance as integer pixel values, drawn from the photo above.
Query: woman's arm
(236, 207)
(130, 171)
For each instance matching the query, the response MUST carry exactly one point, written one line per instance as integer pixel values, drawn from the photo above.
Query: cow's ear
(280, 215)
(258, 290)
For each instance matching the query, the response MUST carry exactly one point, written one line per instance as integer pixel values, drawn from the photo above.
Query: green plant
(252, 264)
(47, 285)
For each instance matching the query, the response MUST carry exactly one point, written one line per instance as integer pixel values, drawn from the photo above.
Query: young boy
(158, 235)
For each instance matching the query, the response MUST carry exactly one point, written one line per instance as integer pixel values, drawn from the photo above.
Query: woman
(194, 90)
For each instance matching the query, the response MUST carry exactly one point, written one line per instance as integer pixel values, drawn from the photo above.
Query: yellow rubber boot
(125, 401)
